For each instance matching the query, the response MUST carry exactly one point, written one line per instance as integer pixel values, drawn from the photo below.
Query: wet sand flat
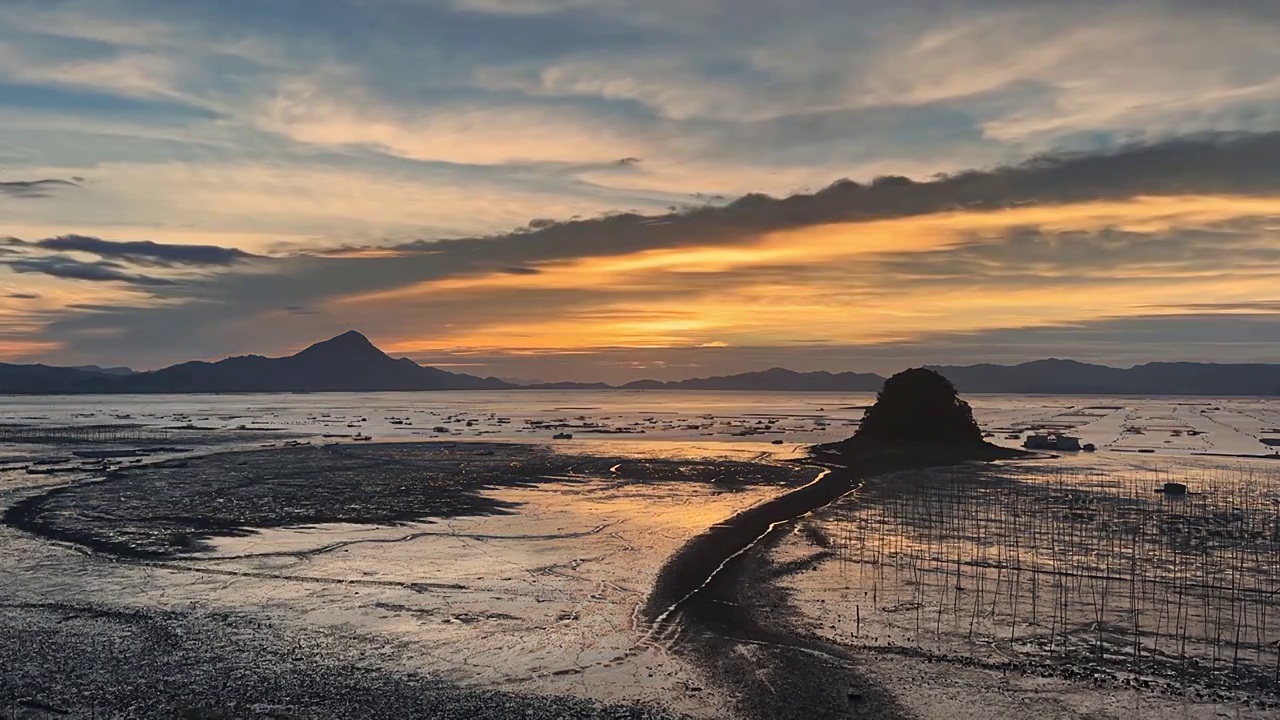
(1064, 588)
(532, 587)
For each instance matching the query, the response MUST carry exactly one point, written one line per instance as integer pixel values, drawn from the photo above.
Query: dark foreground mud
(170, 509)
(96, 661)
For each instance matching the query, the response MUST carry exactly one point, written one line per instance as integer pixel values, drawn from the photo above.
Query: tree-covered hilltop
(920, 406)
(919, 412)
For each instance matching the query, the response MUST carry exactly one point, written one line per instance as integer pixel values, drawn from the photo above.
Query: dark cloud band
(1210, 164)
(71, 269)
(34, 189)
(145, 252)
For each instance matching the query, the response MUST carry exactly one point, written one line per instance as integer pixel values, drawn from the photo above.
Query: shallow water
(683, 419)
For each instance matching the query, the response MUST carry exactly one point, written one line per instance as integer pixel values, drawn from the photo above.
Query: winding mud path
(693, 569)
(716, 601)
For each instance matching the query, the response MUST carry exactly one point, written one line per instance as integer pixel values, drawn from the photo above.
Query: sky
(605, 190)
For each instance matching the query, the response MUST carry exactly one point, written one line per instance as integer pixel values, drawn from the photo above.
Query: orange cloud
(831, 286)
(18, 349)
(821, 244)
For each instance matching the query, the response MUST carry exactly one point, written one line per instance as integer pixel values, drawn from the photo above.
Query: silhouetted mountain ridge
(568, 386)
(1057, 376)
(1052, 376)
(106, 370)
(772, 379)
(351, 363)
(346, 363)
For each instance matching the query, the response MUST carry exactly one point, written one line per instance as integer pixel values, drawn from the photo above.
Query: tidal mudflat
(446, 568)
(243, 563)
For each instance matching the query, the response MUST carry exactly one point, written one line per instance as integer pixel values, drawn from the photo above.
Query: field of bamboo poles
(59, 434)
(1079, 566)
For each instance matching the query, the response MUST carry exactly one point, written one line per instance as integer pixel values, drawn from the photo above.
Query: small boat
(562, 436)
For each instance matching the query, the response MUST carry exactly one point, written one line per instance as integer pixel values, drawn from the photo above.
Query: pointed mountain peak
(349, 344)
(351, 337)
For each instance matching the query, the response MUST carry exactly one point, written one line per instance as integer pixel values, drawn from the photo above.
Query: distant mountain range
(1046, 377)
(349, 362)
(772, 379)
(1157, 378)
(106, 370)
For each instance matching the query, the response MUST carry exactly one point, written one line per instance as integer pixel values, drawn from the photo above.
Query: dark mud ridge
(711, 593)
(684, 574)
(166, 510)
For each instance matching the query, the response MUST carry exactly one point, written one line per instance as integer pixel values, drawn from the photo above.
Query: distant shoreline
(527, 389)
(351, 363)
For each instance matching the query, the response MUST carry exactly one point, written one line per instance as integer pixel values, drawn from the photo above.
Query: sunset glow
(847, 283)
(211, 183)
